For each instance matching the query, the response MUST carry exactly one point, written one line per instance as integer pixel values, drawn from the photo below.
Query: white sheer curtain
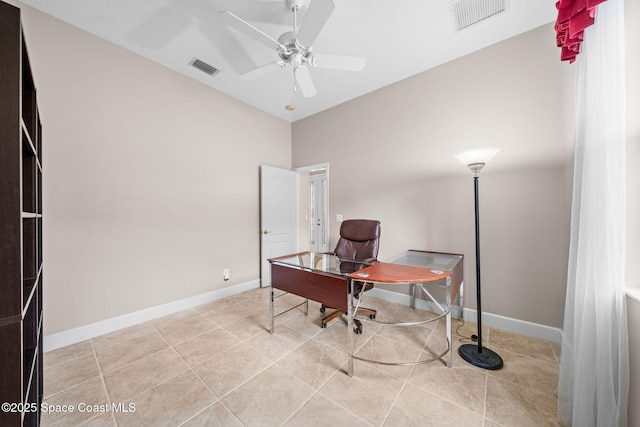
(593, 384)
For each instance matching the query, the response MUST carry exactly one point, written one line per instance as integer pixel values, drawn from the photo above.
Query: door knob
(265, 232)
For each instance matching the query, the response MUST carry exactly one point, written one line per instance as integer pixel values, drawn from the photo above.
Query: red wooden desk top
(384, 272)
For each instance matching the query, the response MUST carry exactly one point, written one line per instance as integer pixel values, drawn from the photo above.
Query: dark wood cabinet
(21, 275)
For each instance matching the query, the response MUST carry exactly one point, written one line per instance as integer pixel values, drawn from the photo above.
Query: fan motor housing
(288, 39)
(295, 53)
(294, 4)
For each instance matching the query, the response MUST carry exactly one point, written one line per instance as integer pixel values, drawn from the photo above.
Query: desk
(317, 276)
(329, 280)
(420, 269)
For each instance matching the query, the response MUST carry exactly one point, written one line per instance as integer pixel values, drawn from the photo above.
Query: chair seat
(359, 240)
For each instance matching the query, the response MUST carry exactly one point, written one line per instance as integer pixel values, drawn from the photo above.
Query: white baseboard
(72, 336)
(406, 300)
(522, 327)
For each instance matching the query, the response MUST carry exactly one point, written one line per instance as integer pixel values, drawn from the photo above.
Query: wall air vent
(204, 67)
(469, 12)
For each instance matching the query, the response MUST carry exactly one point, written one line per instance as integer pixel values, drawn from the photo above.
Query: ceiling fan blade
(261, 71)
(316, 16)
(257, 10)
(303, 78)
(250, 30)
(161, 27)
(338, 62)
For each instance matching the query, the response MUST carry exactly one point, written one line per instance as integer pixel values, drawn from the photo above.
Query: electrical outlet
(225, 274)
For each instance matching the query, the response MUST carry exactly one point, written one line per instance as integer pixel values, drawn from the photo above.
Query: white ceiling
(398, 38)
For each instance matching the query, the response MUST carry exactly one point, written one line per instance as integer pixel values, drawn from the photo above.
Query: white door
(278, 220)
(319, 202)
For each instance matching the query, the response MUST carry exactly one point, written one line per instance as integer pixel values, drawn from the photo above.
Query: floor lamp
(478, 355)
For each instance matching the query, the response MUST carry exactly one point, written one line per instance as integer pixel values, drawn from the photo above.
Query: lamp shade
(476, 156)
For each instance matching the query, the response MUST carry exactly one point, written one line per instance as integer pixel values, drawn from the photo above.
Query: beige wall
(151, 179)
(391, 155)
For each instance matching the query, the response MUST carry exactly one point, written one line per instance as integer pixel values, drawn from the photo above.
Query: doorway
(315, 195)
(294, 213)
(318, 212)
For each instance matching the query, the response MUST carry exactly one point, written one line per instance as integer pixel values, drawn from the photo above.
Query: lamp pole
(478, 292)
(478, 355)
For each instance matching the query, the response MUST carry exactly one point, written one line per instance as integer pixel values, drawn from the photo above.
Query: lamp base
(486, 360)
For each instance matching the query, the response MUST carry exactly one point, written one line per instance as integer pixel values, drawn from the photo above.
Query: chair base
(363, 311)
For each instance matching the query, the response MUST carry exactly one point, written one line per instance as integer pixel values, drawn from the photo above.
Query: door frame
(310, 168)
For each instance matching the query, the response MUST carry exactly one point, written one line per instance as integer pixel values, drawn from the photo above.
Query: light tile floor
(217, 364)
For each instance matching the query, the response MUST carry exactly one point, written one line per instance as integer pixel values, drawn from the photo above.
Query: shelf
(31, 328)
(30, 263)
(39, 144)
(39, 259)
(29, 102)
(39, 192)
(27, 138)
(21, 223)
(29, 290)
(29, 362)
(29, 179)
(32, 394)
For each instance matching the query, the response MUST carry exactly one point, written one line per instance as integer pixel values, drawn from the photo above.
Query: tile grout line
(74, 385)
(198, 413)
(338, 403)
(219, 400)
(68, 360)
(339, 371)
(104, 385)
(486, 395)
(301, 405)
(404, 384)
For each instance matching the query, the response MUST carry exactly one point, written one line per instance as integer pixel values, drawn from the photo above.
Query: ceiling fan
(294, 47)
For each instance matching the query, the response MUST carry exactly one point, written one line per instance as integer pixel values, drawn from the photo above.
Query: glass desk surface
(321, 262)
(432, 260)
(323, 277)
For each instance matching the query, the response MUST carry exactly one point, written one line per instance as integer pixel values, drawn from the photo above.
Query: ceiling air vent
(469, 12)
(204, 67)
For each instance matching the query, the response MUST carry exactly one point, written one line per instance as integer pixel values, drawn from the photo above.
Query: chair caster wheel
(322, 309)
(357, 331)
(372, 316)
(323, 325)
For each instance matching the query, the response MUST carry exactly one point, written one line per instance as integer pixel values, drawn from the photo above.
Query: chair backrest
(359, 239)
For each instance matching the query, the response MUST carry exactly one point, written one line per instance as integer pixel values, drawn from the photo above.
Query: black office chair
(359, 240)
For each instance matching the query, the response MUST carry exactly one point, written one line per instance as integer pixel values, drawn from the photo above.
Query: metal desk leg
(350, 324)
(413, 287)
(448, 301)
(272, 309)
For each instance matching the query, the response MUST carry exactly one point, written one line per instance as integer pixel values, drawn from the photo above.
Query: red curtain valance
(573, 17)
